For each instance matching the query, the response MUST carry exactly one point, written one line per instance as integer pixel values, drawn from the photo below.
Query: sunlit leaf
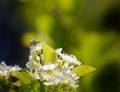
(83, 69)
(49, 53)
(23, 77)
(26, 83)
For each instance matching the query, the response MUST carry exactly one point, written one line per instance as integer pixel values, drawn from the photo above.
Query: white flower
(34, 58)
(49, 67)
(48, 83)
(57, 73)
(45, 76)
(29, 65)
(57, 77)
(33, 65)
(53, 78)
(35, 49)
(36, 75)
(5, 70)
(59, 51)
(68, 58)
(14, 68)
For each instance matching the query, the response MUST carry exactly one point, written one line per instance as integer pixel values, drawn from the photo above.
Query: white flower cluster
(57, 73)
(6, 70)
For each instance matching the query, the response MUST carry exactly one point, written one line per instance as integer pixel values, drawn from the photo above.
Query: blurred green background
(89, 29)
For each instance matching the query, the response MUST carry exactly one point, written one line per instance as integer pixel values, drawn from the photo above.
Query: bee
(33, 43)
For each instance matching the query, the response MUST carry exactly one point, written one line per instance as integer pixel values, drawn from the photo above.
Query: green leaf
(25, 83)
(83, 69)
(49, 53)
(23, 77)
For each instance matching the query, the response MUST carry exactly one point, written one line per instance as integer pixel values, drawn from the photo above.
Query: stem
(53, 90)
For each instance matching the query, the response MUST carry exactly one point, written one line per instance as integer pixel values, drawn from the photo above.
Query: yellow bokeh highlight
(44, 23)
(27, 37)
(66, 5)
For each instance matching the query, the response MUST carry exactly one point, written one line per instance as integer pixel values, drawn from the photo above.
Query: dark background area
(11, 29)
